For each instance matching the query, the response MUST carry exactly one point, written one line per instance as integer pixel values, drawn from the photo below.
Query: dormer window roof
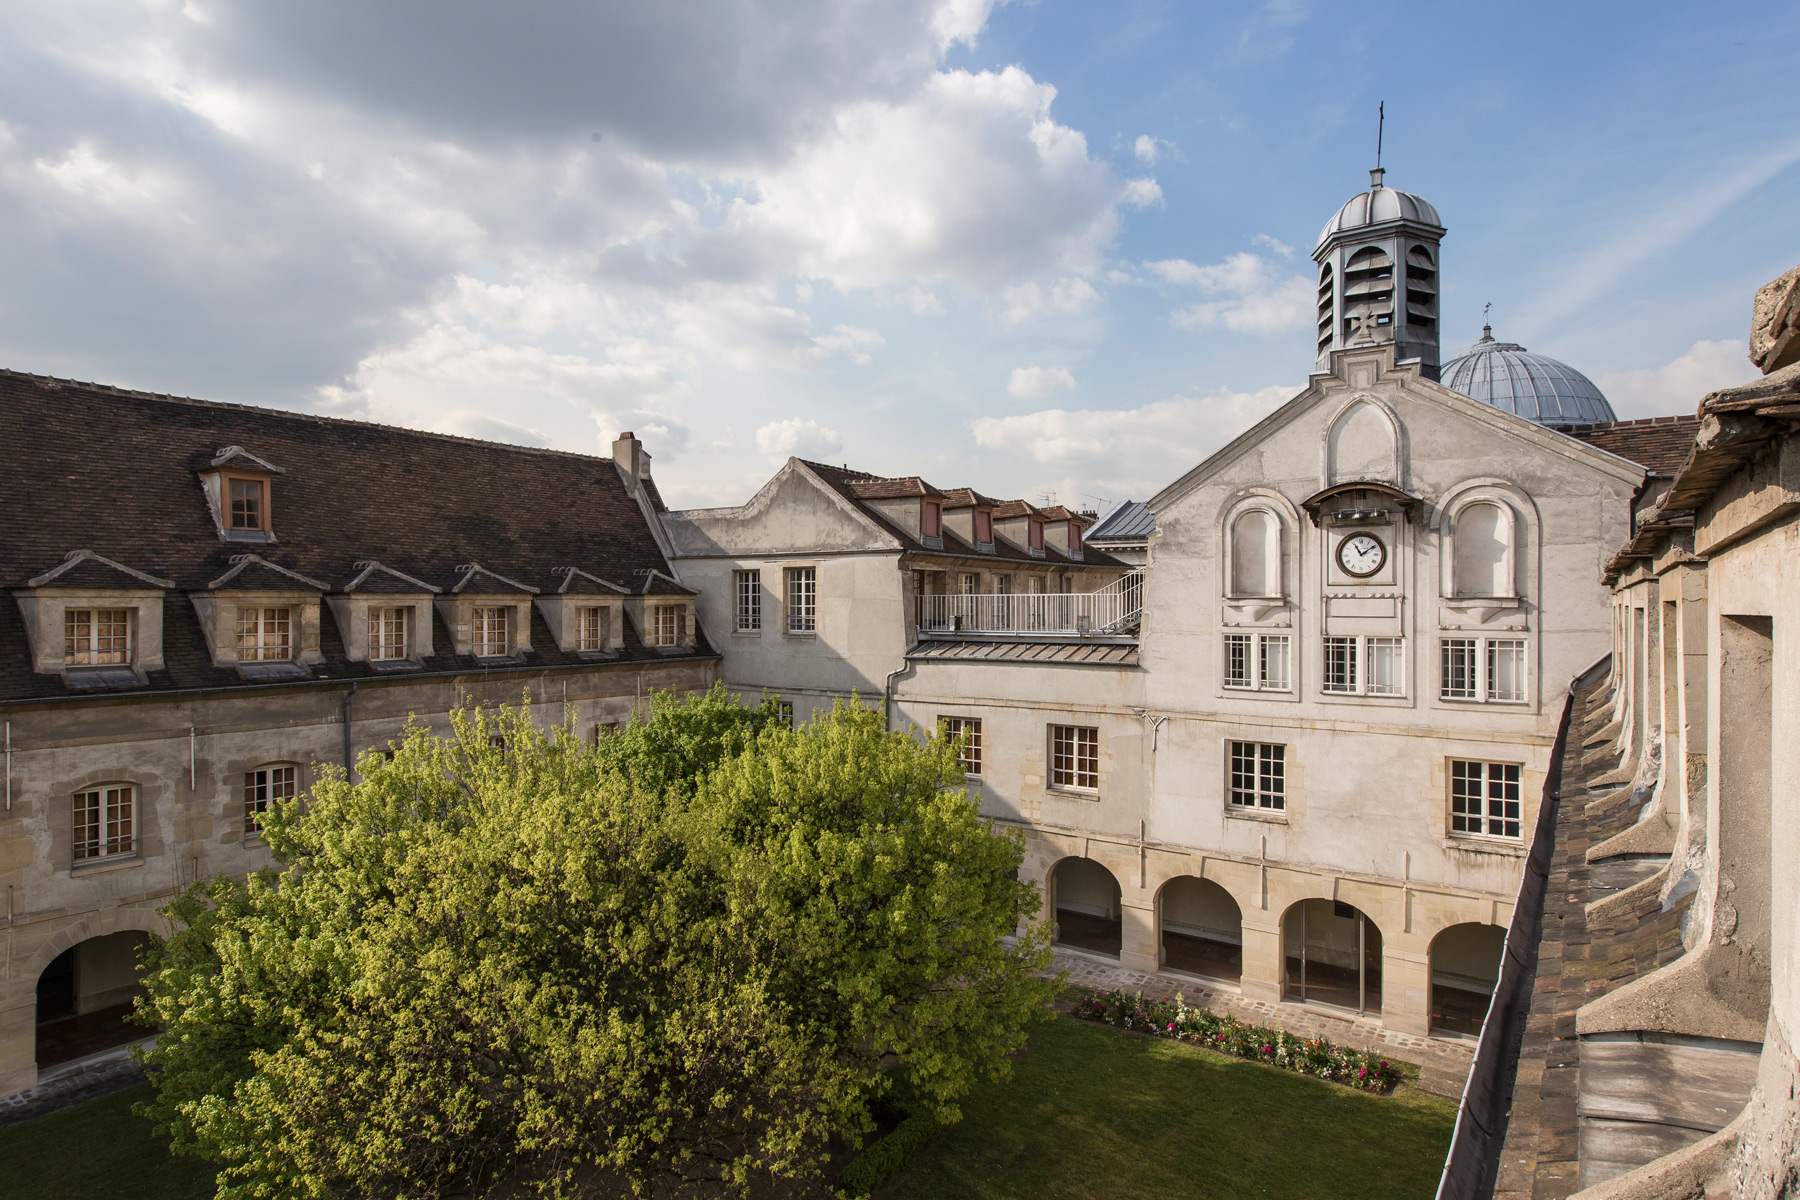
(374, 577)
(479, 581)
(85, 569)
(254, 573)
(239, 491)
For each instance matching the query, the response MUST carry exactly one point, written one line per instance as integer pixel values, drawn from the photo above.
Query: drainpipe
(887, 696)
(348, 760)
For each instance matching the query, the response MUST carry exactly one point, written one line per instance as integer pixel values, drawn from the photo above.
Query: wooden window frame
(952, 727)
(261, 642)
(1256, 776)
(747, 600)
(802, 587)
(380, 632)
(104, 820)
(1075, 758)
(590, 629)
(271, 781)
(1255, 676)
(479, 631)
(1486, 799)
(82, 639)
(265, 519)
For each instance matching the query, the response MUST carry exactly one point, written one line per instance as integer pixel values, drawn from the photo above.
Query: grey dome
(1540, 389)
(1377, 206)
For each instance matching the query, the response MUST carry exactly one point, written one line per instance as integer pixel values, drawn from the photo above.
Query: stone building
(1684, 1067)
(206, 602)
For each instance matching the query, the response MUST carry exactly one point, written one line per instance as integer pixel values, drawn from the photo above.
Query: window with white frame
(263, 785)
(590, 629)
(1258, 661)
(749, 601)
(802, 599)
(105, 822)
(1075, 757)
(1485, 799)
(666, 625)
(968, 584)
(1364, 665)
(390, 631)
(265, 634)
(953, 728)
(1485, 670)
(94, 637)
(1258, 775)
(490, 631)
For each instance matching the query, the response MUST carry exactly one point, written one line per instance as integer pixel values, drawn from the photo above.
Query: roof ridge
(319, 418)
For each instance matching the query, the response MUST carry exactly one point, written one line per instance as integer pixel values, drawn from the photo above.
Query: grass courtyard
(1090, 1111)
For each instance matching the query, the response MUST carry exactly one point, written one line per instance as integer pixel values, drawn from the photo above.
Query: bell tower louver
(1378, 276)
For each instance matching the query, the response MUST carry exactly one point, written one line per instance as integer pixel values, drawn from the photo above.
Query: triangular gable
(85, 569)
(253, 572)
(656, 583)
(685, 526)
(575, 581)
(1465, 406)
(376, 578)
(474, 573)
(241, 459)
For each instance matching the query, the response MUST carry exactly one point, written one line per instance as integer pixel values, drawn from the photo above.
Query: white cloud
(1142, 193)
(1034, 383)
(1126, 452)
(1679, 385)
(1148, 149)
(797, 437)
(1062, 297)
(1275, 244)
(1248, 294)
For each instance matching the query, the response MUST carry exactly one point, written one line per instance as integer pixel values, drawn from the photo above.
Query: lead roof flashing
(237, 456)
(570, 574)
(471, 570)
(244, 562)
(370, 566)
(77, 557)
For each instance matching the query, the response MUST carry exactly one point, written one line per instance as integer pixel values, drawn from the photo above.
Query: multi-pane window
(952, 728)
(590, 628)
(802, 599)
(666, 627)
(94, 637)
(390, 632)
(105, 822)
(1258, 775)
(490, 630)
(1484, 669)
(1257, 661)
(263, 785)
(1365, 666)
(1484, 799)
(246, 504)
(749, 601)
(604, 730)
(1075, 757)
(265, 634)
(969, 584)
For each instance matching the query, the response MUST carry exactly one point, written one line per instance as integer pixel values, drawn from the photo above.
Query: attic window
(95, 637)
(984, 526)
(931, 519)
(247, 503)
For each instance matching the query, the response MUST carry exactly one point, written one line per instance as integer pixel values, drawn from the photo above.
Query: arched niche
(1088, 906)
(1331, 953)
(1364, 442)
(1202, 929)
(1486, 538)
(1257, 555)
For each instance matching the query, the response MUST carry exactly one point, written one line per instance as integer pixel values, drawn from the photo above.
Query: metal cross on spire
(1380, 128)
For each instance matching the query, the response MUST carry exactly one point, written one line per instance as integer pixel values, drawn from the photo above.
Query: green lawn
(97, 1149)
(1095, 1111)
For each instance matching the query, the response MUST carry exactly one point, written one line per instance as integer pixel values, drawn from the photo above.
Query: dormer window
(931, 520)
(390, 634)
(984, 527)
(590, 629)
(96, 637)
(491, 631)
(249, 504)
(265, 634)
(1037, 536)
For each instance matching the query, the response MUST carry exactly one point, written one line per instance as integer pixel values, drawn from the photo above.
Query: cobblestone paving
(1443, 1063)
(1539, 1159)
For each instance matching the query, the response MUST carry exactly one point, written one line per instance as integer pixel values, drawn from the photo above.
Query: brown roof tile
(1658, 444)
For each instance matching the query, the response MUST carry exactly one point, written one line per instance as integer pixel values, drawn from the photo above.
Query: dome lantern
(1378, 275)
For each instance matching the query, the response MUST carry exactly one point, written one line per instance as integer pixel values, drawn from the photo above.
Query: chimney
(633, 461)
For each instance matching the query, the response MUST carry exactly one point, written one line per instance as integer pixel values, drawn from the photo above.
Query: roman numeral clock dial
(1361, 555)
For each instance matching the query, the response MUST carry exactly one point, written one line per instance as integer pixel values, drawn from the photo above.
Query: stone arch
(1503, 539)
(1200, 928)
(1331, 954)
(1258, 549)
(1465, 966)
(83, 981)
(1087, 905)
(1363, 442)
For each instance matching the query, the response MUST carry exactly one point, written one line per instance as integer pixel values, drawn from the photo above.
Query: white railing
(1111, 611)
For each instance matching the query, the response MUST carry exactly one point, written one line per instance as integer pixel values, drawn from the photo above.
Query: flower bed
(1174, 1019)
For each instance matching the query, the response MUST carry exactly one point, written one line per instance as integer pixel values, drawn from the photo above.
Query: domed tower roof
(1378, 276)
(1540, 389)
(1377, 206)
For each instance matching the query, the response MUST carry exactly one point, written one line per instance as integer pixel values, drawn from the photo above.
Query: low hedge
(886, 1157)
(1278, 1048)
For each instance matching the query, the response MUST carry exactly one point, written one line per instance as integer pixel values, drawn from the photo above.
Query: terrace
(1111, 612)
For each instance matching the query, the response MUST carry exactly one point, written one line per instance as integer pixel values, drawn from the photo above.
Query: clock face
(1361, 554)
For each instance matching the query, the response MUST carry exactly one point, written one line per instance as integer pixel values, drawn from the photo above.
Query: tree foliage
(505, 961)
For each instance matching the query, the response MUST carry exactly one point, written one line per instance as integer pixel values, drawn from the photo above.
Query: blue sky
(1041, 249)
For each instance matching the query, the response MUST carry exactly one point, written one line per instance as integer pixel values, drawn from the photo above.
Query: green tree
(682, 960)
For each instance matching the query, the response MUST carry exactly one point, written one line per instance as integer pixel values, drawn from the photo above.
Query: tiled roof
(1016, 508)
(1658, 444)
(846, 483)
(891, 489)
(968, 498)
(1065, 653)
(1130, 522)
(111, 471)
(1057, 512)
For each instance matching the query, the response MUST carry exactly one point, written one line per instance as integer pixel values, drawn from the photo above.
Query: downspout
(348, 760)
(887, 696)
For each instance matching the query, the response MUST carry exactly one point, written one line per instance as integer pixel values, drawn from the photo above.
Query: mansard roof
(113, 471)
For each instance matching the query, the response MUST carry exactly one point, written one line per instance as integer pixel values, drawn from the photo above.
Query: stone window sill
(1268, 816)
(104, 865)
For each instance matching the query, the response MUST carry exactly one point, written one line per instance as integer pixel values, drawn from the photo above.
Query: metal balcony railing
(1110, 612)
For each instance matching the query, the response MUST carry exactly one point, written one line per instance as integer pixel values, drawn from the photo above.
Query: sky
(1055, 250)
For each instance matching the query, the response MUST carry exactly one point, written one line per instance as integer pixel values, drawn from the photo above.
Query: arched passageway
(1333, 956)
(84, 997)
(1465, 966)
(1087, 906)
(1202, 929)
